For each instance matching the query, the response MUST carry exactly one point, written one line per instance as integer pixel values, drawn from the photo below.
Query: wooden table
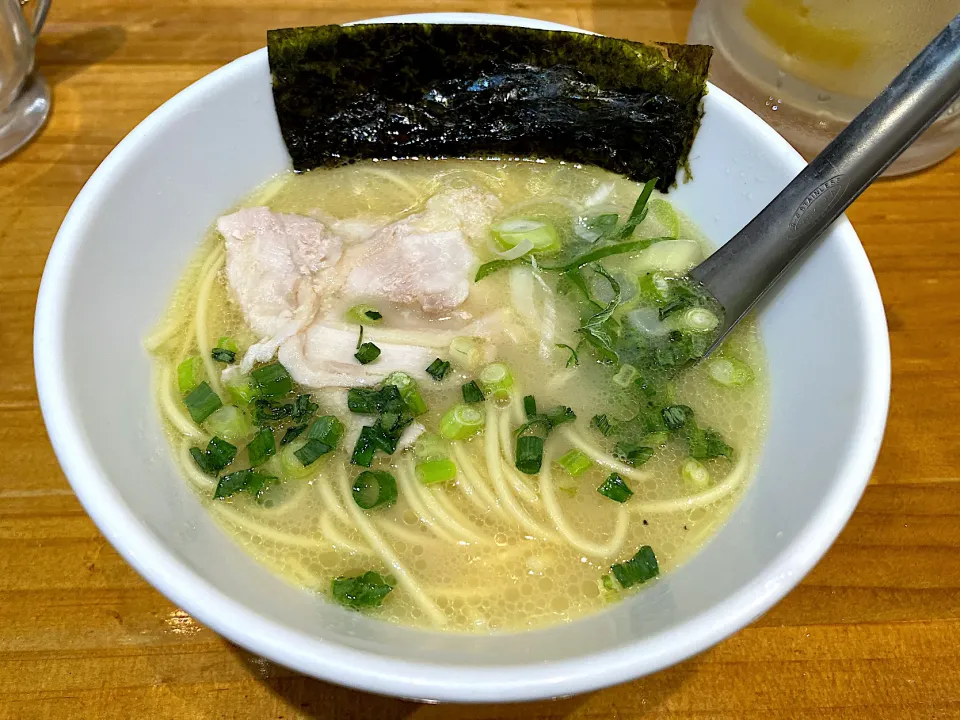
(873, 632)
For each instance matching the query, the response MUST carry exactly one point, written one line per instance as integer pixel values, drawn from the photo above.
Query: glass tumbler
(808, 67)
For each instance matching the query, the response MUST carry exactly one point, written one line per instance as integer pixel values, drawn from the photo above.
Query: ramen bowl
(128, 237)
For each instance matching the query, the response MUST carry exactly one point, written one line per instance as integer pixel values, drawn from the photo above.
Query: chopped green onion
(367, 353)
(698, 320)
(601, 424)
(272, 381)
(707, 444)
(655, 288)
(676, 416)
(601, 253)
(202, 402)
(241, 389)
(606, 583)
(568, 490)
(510, 233)
(638, 569)
(223, 355)
(323, 437)
(311, 451)
(615, 488)
(369, 401)
(292, 433)
(218, 454)
(365, 448)
(303, 408)
(530, 405)
(639, 211)
(252, 481)
(625, 376)
(471, 392)
(438, 368)
(529, 456)
(327, 429)
(575, 462)
(496, 379)
(261, 447)
(666, 218)
(266, 412)
(290, 463)
(729, 372)
(559, 415)
(430, 447)
(658, 439)
(228, 343)
(460, 422)
(695, 474)
(465, 352)
(363, 591)
(229, 422)
(573, 360)
(374, 488)
(189, 373)
(433, 472)
(633, 454)
(409, 391)
(363, 315)
(488, 268)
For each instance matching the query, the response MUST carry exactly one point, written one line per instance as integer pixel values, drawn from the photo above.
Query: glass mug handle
(39, 15)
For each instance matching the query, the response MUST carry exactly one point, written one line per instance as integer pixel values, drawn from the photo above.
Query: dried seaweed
(409, 90)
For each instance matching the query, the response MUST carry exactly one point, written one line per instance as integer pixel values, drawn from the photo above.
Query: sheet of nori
(409, 90)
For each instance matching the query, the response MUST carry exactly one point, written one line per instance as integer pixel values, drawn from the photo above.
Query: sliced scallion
(496, 380)
(695, 474)
(529, 455)
(510, 233)
(363, 591)
(631, 454)
(432, 472)
(374, 488)
(601, 424)
(529, 406)
(363, 315)
(229, 422)
(697, 320)
(367, 353)
(241, 389)
(251, 481)
(676, 416)
(471, 392)
(438, 369)
(639, 569)
(202, 402)
(217, 455)
(430, 447)
(291, 465)
(409, 391)
(262, 447)
(575, 462)
(615, 488)
(460, 422)
(272, 381)
(729, 372)
(189, 373)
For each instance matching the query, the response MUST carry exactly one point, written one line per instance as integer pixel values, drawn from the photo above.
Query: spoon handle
(740, 272)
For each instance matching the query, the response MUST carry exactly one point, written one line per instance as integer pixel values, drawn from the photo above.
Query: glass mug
(24, 96)
(808, 67)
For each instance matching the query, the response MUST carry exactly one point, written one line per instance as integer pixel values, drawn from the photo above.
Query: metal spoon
(740, 272)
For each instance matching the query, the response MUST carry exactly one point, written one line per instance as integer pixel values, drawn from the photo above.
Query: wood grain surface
(872, 632)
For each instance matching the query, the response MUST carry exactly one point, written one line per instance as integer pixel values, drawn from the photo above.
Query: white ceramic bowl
(127, 239)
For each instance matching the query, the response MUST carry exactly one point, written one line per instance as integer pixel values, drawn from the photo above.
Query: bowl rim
(368, 671)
